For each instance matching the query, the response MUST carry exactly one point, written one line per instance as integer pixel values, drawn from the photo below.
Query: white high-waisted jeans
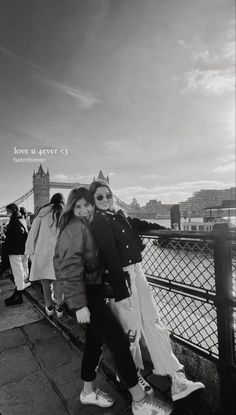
(139, 316)
(16, 262)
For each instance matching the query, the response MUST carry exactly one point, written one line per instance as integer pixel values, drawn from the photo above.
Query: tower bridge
(41, 190)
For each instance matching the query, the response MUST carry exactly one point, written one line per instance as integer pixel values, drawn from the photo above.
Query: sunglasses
(101, 197)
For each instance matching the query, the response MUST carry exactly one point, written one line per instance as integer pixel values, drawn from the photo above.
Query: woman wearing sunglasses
(77, 266)
(120, 250)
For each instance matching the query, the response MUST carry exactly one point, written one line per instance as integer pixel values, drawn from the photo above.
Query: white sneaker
(49, 310)
(151, 406)
(98, 398)
(182, 387)
(144, 384)
(59, 311)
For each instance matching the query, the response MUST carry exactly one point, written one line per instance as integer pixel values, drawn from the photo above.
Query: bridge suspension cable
(120, 202)
(24, 197)
(18, 201)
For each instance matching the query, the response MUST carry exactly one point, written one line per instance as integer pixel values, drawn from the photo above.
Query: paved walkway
(40, 360)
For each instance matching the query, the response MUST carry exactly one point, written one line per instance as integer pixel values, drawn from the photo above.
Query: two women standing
(78, 268)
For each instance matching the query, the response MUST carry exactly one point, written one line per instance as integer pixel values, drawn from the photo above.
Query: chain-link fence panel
(184, 261)
(184, 264)
(233, 256)
(188, 318)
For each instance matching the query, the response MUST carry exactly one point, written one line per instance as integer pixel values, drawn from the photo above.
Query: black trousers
(105, 328)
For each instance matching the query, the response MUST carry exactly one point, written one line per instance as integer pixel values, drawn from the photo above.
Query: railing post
(224, 295)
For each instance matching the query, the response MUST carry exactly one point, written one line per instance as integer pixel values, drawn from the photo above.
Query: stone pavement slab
(54, 352)
(40, 374)
(12, 338)
(58, 363)
(40, 331)
(16, 363)
(31, 395)
(17, 315)
(67, 380)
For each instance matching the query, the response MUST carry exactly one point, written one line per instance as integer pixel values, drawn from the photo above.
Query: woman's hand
(83, 315)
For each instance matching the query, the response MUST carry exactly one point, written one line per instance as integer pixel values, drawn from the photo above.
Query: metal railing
(193, 283)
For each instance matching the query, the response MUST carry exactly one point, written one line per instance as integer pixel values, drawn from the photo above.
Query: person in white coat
(40, 245)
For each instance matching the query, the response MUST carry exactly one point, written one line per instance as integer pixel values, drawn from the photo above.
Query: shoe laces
(142, 381)
(181, 377)
(180, 382)
(103, 395)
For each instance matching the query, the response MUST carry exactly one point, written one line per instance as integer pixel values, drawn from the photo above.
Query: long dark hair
(13, 209)
(23, 212)
(56, 203)
(68, 211)
(15, 216)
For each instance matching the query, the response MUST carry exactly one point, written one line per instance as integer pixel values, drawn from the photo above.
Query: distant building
(205, 198)
(134, 207)
(153, 209)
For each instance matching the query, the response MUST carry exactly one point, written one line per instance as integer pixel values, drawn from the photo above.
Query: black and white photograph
(117, 207)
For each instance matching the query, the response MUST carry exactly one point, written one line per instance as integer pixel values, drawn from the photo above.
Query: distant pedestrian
(25, 259)
(40, 246)
(14, 247)
(120, 249)
(25, 216)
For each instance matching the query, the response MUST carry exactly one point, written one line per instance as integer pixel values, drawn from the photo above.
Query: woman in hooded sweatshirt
(40, 245)
(120, 251)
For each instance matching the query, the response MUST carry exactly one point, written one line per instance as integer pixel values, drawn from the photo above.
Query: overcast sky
(142, 89)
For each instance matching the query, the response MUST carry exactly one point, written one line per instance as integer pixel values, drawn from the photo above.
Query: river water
(167, 222)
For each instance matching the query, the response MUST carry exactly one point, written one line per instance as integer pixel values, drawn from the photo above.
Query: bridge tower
(102, 178)
(41, 188)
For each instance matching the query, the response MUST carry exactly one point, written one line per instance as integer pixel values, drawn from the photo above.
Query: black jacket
(119, 245)
(16, 236)
(143, 225)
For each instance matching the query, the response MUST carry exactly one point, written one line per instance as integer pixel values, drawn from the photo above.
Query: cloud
(181, 42)
(229, 47)
(229, 50)
(228, 121)
(168, 194)
(85, 100)
(112, 145)
(205, 56)
(61, 177)
(14, 56)
(149, 176)
(225, 168)
(211, 82)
